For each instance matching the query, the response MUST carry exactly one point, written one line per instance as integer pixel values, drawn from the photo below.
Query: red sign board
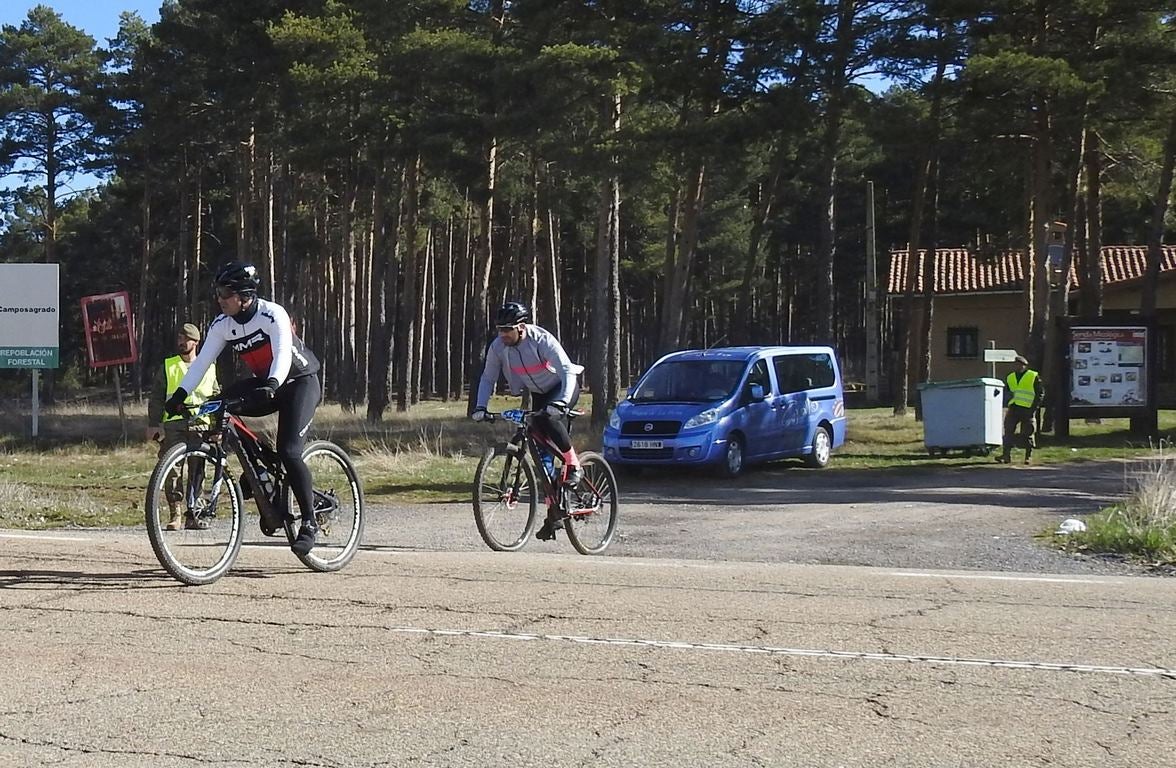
(110, 332)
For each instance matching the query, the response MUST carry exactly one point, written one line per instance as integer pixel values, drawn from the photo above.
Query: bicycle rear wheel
(592, 506)
(338, 507)
(191, 485)
(505, 503)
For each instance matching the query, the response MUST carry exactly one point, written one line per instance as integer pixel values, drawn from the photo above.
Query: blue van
(731, 407)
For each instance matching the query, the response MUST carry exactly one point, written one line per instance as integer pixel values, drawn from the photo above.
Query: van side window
(759, 375)
(796, 373)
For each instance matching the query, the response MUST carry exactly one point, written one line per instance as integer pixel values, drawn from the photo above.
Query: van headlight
(709, 416)
(614, 421)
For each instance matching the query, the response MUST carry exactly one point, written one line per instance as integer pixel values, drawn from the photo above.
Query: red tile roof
(958, 270)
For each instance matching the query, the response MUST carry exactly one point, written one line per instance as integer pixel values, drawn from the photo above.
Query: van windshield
(689, 381)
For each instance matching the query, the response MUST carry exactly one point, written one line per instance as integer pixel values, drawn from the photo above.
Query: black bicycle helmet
(512, 313)
(238, 276)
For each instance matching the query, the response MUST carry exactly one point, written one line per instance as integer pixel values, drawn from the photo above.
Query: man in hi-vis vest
(169, 430)
(1023, 392)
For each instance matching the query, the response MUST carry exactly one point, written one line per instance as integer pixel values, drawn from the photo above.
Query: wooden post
(122, 416)
(36, 398)
(871, 301)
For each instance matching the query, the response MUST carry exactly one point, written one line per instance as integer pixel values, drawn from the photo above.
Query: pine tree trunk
(598, 373)
(268, 265)
(407, 329)
(1039, 218)
(185, 299)
(383, 291)
(549, 292)
(444, 315)
(1091, 296)
(195, 255)
(676, 296)
(141, 324)
(1155, 240)
(461, 288)
(423, 304)
(478, 324)
(244, 196)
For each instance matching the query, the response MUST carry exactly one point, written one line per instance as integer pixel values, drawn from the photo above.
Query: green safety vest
(1024, 391)
(175, 368)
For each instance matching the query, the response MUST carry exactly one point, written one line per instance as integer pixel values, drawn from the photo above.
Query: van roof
(741, 353)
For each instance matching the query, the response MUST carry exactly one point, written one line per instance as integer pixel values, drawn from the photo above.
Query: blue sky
(99, 18)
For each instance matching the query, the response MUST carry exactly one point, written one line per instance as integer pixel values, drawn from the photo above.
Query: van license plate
(645, 444)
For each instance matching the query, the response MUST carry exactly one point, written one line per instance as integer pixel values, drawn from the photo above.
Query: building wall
(998, 317)
(1002, 317)
(1127, 298)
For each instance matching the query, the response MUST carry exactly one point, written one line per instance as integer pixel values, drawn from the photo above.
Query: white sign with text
(30, 317)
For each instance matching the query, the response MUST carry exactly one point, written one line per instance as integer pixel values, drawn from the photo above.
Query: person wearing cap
(167, 429)
(1023, 392)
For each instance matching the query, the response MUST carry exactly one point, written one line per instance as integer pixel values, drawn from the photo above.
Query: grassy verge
(1142, 527)
(83, 471)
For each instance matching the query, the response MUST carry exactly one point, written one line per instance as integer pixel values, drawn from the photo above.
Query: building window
(963, 342)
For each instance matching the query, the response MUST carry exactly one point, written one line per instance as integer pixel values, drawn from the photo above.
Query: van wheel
(822, 449)
(732, 463)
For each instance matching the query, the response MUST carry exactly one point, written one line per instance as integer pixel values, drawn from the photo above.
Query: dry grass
(1143, 526)
(83, 471)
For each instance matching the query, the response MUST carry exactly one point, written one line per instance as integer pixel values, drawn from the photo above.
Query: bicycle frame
(252, 454)
(556, 495)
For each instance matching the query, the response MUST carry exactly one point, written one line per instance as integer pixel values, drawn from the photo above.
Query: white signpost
(995, 356)
(30, 320)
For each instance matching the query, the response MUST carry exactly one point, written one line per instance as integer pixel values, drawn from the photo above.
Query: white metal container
(964, 413)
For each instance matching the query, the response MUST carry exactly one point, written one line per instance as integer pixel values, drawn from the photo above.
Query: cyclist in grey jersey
(532, 359)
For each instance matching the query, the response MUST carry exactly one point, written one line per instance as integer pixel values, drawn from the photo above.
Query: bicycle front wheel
(505, 503)
(338, 507)
(194, 514)
(592, 506)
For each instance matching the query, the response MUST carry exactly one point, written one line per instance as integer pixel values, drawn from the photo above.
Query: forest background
(647, 174)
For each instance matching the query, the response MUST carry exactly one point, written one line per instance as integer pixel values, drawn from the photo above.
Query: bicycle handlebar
(518, 415)
(213, 406)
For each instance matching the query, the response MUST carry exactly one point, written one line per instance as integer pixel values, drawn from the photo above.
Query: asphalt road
(717, 632)
(973, 516)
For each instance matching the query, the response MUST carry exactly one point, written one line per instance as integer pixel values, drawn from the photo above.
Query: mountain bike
(513, 476)
(197, 481)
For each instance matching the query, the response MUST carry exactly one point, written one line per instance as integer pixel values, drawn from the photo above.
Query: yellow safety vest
(1024, 391)
(175, 368)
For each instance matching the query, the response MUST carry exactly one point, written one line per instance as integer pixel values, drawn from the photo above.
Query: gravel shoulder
(978, 517)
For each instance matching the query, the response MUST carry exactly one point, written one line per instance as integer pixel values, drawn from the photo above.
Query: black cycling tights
(556, 429)
(294, 403)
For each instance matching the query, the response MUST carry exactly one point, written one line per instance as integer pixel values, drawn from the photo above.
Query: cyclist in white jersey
(284, 376)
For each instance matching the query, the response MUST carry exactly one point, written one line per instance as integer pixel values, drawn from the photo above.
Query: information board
(1108, 366)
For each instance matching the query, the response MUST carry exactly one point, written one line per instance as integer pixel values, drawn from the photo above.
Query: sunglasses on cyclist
(506, 328)
(225, 293)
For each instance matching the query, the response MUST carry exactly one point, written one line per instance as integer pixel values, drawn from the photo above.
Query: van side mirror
(757, 392)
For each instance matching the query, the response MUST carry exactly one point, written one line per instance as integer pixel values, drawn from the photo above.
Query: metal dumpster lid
(961, 383)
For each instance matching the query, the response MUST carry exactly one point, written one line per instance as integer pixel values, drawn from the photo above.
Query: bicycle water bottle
(514, 414)
(548, 463)
(267, 482)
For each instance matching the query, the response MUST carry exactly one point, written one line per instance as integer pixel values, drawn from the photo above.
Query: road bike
(195, 481)
(512, 477)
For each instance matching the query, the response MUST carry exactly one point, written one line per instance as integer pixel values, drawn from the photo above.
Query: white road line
(41, 538)
(994, 577)
(799, 652)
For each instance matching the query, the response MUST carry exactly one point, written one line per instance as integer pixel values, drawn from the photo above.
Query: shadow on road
(138, 579)
(1034, 487)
